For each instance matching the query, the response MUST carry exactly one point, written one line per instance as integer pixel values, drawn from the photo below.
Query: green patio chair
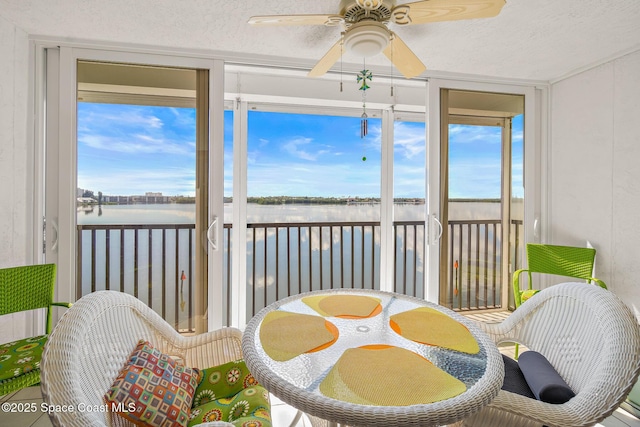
(568, 261)
(21, 289)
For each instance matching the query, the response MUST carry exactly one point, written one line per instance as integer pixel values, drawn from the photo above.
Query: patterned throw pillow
(153, 389)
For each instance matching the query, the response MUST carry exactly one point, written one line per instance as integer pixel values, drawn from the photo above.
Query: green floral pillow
(223, 381)
(21, 357)
(248, 408)
(230, 393)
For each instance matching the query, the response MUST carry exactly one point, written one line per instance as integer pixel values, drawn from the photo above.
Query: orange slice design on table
(428, 326)
(344, 306)
(285, 335)
(388, 376)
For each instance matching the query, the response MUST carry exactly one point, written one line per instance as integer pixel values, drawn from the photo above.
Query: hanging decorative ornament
(363, 77)
(391, 58)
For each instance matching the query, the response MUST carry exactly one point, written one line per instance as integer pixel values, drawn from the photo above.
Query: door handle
(212, 233)
(435, 239)
(54, 228)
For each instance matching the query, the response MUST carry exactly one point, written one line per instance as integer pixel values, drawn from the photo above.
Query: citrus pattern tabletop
(380, 349)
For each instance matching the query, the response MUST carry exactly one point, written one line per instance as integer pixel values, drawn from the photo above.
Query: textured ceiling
(529, 39)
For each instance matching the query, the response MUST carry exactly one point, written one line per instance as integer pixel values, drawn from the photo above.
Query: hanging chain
(341, 53)
(392, 65)
(363, 77)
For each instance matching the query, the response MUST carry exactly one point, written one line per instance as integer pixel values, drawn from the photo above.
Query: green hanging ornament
(362, 78)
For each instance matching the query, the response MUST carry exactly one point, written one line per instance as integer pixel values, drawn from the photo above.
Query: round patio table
(372, 358)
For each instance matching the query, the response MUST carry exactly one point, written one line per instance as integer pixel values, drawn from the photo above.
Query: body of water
(185, 213)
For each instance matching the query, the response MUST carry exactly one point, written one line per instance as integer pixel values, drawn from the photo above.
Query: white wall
(13, 159)
(594, 170)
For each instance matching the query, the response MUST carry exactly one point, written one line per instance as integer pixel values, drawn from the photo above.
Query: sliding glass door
(477, 194)
(140, 206)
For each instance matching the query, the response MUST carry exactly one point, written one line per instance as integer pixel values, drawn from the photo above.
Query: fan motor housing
(354, 11)
(367, 38)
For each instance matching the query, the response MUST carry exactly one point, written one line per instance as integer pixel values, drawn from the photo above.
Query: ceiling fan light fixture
(366, 38)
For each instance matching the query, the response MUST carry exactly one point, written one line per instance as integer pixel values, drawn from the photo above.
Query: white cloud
(517, 136)
(137, 144)
(465, 134)
(184, 117)
(124, 118)
(409, 141)
(295, 148)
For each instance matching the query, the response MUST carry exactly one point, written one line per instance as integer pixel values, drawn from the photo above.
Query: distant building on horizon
(149, 198)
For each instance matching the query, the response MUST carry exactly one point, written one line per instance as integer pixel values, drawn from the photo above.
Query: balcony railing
(155, 262)
(475, 275)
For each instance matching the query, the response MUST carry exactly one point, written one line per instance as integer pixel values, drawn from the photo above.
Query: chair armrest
(211, 348)
(516, 285)
(62, 304)
(510, 329)
(537, 411)
(598, 282)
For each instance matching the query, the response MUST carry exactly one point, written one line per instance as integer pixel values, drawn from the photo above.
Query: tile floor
(282, 414)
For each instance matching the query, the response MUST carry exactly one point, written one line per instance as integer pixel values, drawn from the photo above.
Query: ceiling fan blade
(425, 11)
(327, 61)
(403, 58)
(329, 20)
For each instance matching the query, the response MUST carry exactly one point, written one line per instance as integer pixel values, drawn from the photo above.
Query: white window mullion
(432, 195)
(239, 235)
(67, 180)
(215, 303)
(387, 246)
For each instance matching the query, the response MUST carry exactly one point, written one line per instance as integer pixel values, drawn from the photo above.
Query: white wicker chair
(92, 341)
(590, 337)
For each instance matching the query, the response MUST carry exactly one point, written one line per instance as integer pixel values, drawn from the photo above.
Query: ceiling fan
(366, 31)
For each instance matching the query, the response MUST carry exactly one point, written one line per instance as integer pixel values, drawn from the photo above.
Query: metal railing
(290, 258)
(475, 276)
(155, 262)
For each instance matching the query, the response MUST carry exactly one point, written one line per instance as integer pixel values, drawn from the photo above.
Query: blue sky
(129, 150)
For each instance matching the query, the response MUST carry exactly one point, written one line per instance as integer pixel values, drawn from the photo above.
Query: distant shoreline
(304, 200)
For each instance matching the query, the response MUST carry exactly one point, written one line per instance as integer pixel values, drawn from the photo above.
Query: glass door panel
(516, 241)
(142, 173)
(228, 212)
(409, 211)
(474, 216)
(482, 195)
(313, 205)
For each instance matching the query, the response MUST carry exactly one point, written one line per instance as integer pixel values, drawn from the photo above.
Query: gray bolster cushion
(543, 380)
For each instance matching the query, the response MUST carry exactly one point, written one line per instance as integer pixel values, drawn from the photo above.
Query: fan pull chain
(392, 38)
(341, 56)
